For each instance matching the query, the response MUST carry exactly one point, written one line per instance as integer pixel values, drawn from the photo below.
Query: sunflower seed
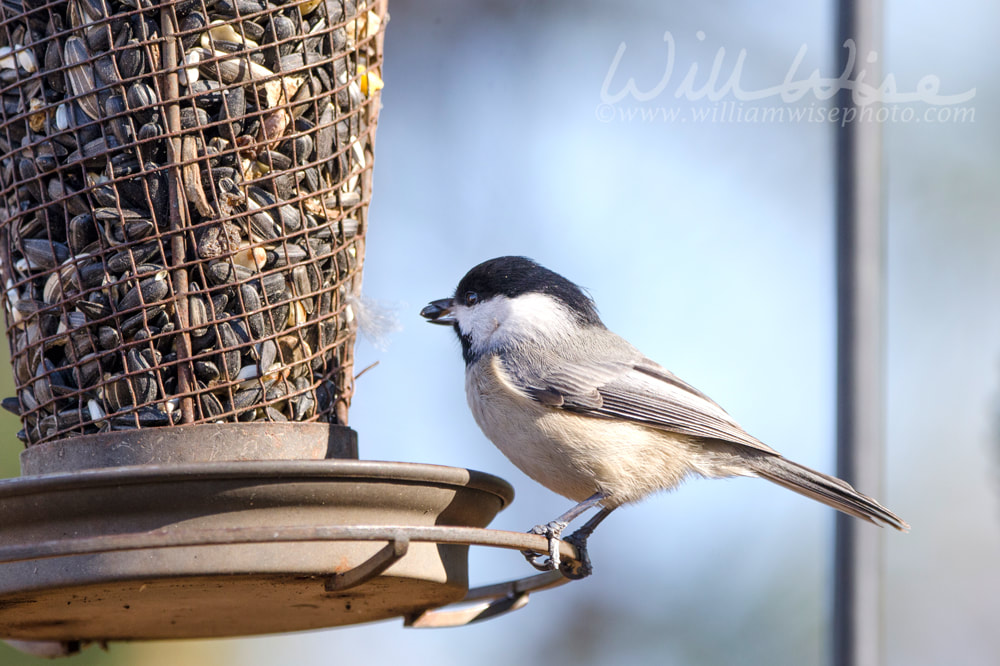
(147, 417)
(240, 7)
(206, 371)
(81, 76)
(262, 227)
(43, 254)
(228, 343)
(44, 379)
(133, 255)
(210, 406)
(131, 62)
(121, 123)
(143, 383)
(252, 307)
(249, 394)
(304, 404)
(53, 66)
(149, 131)
(287, 255)
(198, 315)
(141, 99)
(94, 311)
(267, 355)
(193, 118)
(95, 149)
(223, 272)
(192, 26)
(146, 292)
(93, 10)
(275, 133)
(106, 70)
(274, 287)
(143, 318)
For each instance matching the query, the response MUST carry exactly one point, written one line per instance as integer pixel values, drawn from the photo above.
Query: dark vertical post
(857, 621)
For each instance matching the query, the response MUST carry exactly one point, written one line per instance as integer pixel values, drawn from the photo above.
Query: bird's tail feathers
(826, 489)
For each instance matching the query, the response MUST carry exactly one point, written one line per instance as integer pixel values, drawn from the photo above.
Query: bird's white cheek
(478, 325)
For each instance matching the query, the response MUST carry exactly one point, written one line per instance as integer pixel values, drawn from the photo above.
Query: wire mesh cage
(185, 190)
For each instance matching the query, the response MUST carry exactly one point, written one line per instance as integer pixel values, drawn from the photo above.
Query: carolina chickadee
(587, 415)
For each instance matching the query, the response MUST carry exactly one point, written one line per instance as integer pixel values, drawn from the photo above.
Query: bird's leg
(582, 567)
(553, 530)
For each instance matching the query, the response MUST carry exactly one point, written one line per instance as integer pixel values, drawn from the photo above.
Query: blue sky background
(709, 246)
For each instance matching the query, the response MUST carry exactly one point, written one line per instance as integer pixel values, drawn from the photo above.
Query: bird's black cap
(516, 276)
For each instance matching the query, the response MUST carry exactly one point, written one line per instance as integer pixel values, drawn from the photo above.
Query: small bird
(583, 412)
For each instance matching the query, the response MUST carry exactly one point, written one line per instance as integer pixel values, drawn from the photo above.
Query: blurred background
(706, 237)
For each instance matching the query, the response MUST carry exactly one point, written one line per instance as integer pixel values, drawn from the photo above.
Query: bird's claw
(551, 531)
(581, 566)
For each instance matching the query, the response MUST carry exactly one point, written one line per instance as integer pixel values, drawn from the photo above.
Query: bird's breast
(571, 454)
(521, 428)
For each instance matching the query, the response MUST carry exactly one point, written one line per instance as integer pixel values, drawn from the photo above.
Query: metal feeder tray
(215, 544)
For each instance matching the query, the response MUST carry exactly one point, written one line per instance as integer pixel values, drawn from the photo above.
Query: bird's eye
(471, 298)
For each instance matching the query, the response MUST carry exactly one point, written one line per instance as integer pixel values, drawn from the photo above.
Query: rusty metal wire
(185, 188)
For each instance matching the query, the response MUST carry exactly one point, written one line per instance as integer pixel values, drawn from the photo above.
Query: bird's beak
(439, 312)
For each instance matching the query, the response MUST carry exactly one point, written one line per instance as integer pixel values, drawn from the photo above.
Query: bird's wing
(651, 394)
(621, 383)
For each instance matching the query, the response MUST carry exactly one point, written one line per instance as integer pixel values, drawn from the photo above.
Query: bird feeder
(185, 189)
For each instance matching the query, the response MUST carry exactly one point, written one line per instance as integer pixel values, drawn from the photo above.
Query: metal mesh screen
(185, 190)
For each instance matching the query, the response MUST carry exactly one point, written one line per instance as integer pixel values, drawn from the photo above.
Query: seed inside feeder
(265, 135)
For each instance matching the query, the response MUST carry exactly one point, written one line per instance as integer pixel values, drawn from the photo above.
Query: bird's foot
(581, 567)
(551, 531)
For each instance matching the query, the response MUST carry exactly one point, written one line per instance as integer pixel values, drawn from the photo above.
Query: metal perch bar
(503, 597)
